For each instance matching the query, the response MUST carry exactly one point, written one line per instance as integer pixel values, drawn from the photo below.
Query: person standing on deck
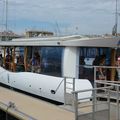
(1, 60)
(101, 70)
(118, 69)
(8, 60)
(81, 67)
(36, 63)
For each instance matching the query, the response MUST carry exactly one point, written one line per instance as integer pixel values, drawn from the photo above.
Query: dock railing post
(95, 77)
(118, 103)
(73, 84)
(93, 104)
(64, 90)
(108, 100)
(76, 105)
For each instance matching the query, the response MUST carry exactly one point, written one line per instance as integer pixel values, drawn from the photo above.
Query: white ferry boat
(58, 58)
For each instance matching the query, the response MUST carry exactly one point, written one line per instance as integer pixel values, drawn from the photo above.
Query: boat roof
(76, 40)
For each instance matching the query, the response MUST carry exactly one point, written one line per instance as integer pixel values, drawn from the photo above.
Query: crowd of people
(101, 72)
(33, 64)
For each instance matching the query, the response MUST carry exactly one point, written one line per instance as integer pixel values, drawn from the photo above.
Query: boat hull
(42, 85)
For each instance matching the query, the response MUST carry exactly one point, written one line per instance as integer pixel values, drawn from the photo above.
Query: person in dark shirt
(1, 60)
(8, 61)
(36, 63)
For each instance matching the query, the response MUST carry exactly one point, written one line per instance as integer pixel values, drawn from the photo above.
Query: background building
(9, 35)
(35, 33)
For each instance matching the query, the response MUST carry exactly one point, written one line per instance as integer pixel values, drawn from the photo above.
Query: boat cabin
(69, 56)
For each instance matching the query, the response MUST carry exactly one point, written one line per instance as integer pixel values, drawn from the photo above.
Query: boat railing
(114, 92)
(108, 71)
(90, 72)
(103, 88)
(110, 80)
(94, 104)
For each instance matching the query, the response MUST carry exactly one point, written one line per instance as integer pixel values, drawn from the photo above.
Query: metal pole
(6, 24)
(117, 102)
(116, 18)
(73, 84)
(93, 105)
(95, 77)
(108, 100)
(64, 90)
(95, 86)
(76, 105)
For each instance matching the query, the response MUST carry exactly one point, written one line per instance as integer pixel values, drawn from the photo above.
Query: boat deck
(27, 107)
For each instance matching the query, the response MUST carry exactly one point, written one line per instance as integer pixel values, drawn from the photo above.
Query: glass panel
(8, 58)
(89, 57)
(34, 59)
(19, 59)
(51, 60)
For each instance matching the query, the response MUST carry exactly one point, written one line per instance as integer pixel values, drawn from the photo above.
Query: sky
(63, 17)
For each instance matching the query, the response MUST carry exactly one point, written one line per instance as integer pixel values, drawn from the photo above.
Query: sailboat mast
(6, 19)
(6, 25)
(116, 17)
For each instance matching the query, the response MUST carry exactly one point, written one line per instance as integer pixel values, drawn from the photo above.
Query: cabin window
(19, 59)
(51, 60)
(86, 61)
(44, 60)
(13, 58)
(8, 58)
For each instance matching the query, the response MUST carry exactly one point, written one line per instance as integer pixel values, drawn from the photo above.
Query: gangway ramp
(27, 107)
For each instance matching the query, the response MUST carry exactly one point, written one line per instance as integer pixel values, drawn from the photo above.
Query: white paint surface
(41, 85)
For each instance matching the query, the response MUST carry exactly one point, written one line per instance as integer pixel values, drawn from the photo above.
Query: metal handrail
(107, 66)
(113, 84)
(107, 83)
(93, 66)
(93, 97)
(86, 90)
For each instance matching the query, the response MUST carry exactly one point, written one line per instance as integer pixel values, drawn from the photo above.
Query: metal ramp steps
(69, 87)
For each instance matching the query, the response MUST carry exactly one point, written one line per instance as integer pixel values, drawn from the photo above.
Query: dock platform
(27, 107)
